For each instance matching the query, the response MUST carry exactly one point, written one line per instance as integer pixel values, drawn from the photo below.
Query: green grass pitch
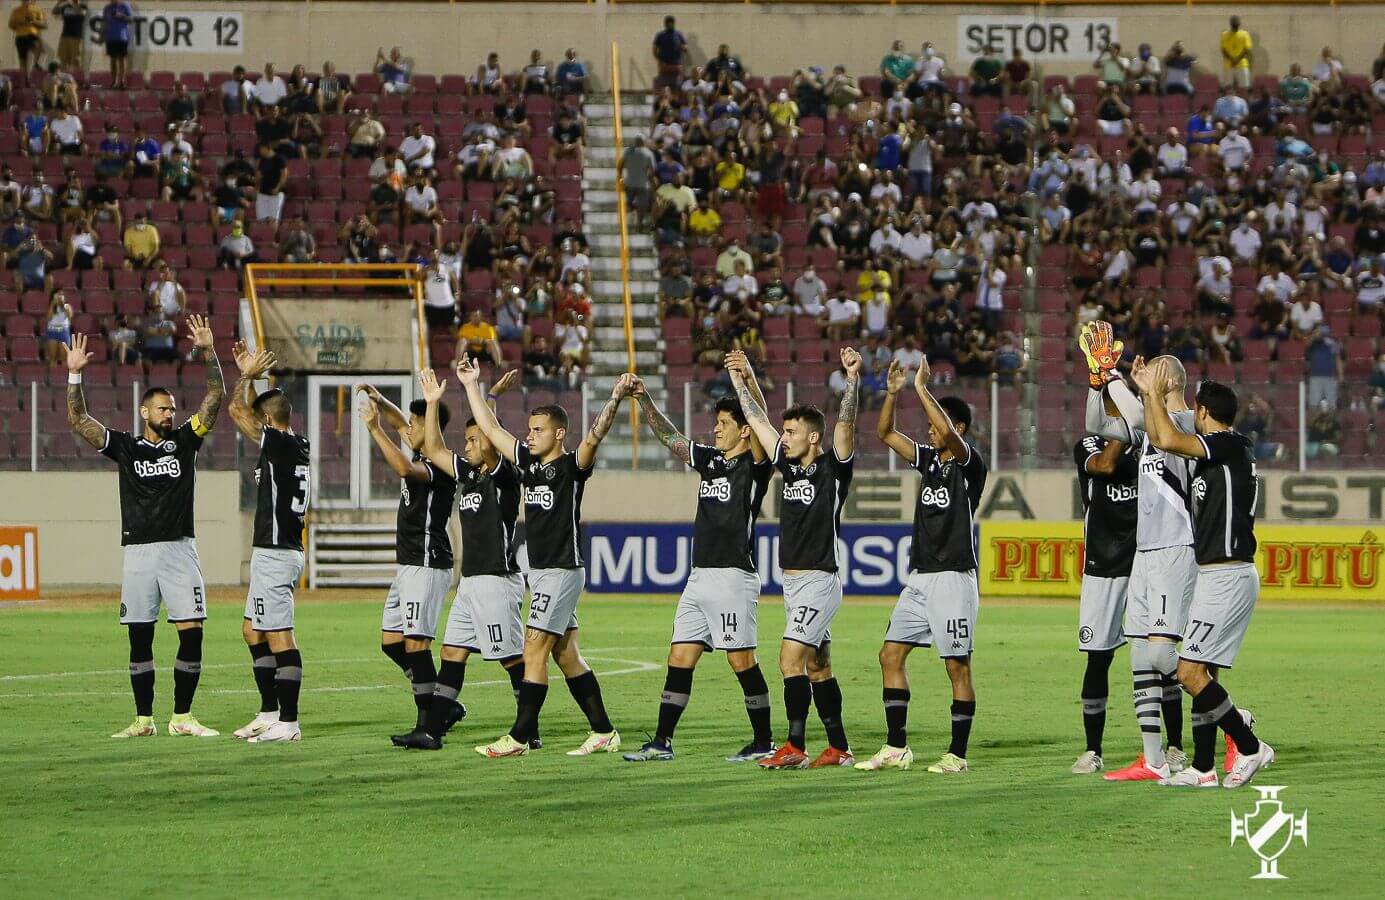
(345, 814)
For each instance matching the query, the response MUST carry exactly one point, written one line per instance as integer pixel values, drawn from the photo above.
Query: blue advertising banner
(650, 558)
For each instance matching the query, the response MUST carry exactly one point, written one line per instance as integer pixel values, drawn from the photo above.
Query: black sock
(586, 690)
(516, 673)
(798, 696)
(187, 669)
(757, 704)
(1173, 711)
(531, 697)
(962, 713)
(262, 661)
(1096, 691)
(1204, 740)
(288, 679)
(142, 667)
(1215, 702)
(827, 697)
(451, 675)
(677, 690)
(896, 716)
(424, 677)
(397, 656)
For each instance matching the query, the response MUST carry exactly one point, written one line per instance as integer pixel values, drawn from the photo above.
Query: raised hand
(260, 364)
(922, 375)
(622, 386)
(637, 388)
(244, 359)
(1143, 375)
(505, 383)
(851, 361)
(467, 372)
(77, 355)
(200, 330)
(430, 386)
(370, 414)
(737, 363)
(896, 377)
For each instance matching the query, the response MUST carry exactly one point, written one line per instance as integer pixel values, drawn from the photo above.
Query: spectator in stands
(28, 22)
(1224, 341)
(929, 69)
(385, 195)
(181, 110)
(510, 313)
(541, 367)
(1178, 67)
(166, 294)
(271, 175)
(65, 133)
(568, 137)
(57, 329)
(394, 70)
(986, 71)
(1146, 71)
(103, 204)
(269, 91)
(333, 90)
(536, 76)
(1236, 51)
(124, 340)
(236, 93)
(1235, 150)
(141, 242)
(1305, 316)
(896, 70)
(421, 205)
(670, 48)
(81, 248)
(364, 134)
(573, 344)
(704, 223)
(358, 240)
(1328, 71)
(477, 340)
(71, 200)
(145, 155)
(31, 261)
(808, 92)
(36, 135)
(1325, 368)
(1370, 287)
(74, 14)
(1114, 68)
(809, 294)
(113, 154)
(1255, 422)
(236, 250)
(1018, 76)
(636, 169)
(511, 161)
(1214, 289)
(841, 319)
(61, 87)
(116, 17)
(488, 78)
(11, 193)
(841, 90)
(178, 180)
(571, 77)
(1112, 113)
(1324, 434)
(157, 338)
(1230, 108)
(417, 149)
(297, 245)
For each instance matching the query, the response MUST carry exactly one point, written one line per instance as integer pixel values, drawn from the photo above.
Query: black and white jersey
(425, 506)
(282, 480)
(1111, 506)
(489, 506)
(810, 511)
(552, 508)
(1165, 519)
(728, 503)
(949, 493)
(157, 480)
(1224, 498)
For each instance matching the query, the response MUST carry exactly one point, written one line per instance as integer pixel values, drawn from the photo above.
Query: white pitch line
(635, 666)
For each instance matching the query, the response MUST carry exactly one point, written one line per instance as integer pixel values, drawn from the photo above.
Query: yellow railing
(621, 218)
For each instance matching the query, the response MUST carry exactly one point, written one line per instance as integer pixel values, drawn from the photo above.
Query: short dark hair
(470, 422)
(958, 410)
(1219, 401)
(732, 408)
(809, 414)
(276, 403)
(556, 414)
(147, 395)
(420, 408)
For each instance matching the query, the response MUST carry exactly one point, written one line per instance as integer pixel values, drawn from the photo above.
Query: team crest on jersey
(716, 489)
(168, 446)
(169, 466)
(800, 492)
(541, 496)
(1084, 634)
(549, 472)
(404, 491)
(1199, 489)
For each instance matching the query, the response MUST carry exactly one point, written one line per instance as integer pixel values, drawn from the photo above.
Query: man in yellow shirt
(872, 281)
(141, 241)
(1235, 53)
(730, 175)
(783, 113)
(478, 340)
(27, 21)
(704, 223)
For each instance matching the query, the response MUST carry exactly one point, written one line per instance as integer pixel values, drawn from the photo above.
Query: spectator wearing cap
(1236, 51)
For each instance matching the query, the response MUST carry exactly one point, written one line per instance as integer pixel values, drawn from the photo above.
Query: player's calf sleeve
(756, 692)
(1149, 699)
(446, 690)
(827, 697)
(896, 716)
(398, 656)
(1095, 692)
(531, 697)
(963, 711)
(424, 678)
(288, 681)
(1215, 702)
(1172, 706)
(798, 696)
(187, 669)
(263, 664)
(672, 702)
(586, 690)
(142, 667)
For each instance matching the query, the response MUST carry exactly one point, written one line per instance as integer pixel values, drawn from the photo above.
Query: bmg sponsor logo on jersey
(153, 468)
(800, 492)
(1122, 493)
(541, 496)
(470, 502)
(716, 489)
(1152, 464)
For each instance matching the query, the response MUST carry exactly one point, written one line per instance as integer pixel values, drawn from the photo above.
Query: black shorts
(117, 49)
(26, 45)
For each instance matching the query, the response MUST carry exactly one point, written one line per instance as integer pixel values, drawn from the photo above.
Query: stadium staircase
(609, 357)
(351, 554)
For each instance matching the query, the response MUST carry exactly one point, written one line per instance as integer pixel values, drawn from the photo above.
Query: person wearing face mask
(929, 68)
(236, 249)
(1145, 71)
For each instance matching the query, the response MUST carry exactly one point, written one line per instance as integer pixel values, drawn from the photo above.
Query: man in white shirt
(909, 356)
(740, 280)
(1279, 283)
(974, 214)
(270, 89)
(512, 160)
(418, 148)
(175, 141)
(929, 67)
(1172, 155)
(1245, 241)
(1370, 286)
(1235, 150)
(809, 291)
(1305, 315)
(1145, 192)
(387, 166)
(842, 318)
(1181, 215)
(574, 260)
(885, 236)
(876, 313)
(1281, 206)
(1214, 287)
(990, 294)
(733, 254)
(1327, 68)
(66, 131)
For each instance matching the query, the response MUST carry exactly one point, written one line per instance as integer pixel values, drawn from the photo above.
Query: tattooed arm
(659, 423)
(81, 422)
(844, 434)
(755, 414)
(205, 419)
(586, 451)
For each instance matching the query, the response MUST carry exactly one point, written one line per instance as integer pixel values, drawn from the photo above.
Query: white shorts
(1100, 613)
(718, 609)
(415, 600)
(167, 573)
(553, 596)
(1160, 591)
(1220, 615)
(811, 601)
(274, 575)
(487, 616)
(937, 607)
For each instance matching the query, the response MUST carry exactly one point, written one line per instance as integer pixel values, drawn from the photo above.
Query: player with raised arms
(158, 477)
(553, 479)
(719, 606)
(487, 610)
(941, 597)
(422, 548)
(283, 479)
(1224, 489)
(815, 483)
